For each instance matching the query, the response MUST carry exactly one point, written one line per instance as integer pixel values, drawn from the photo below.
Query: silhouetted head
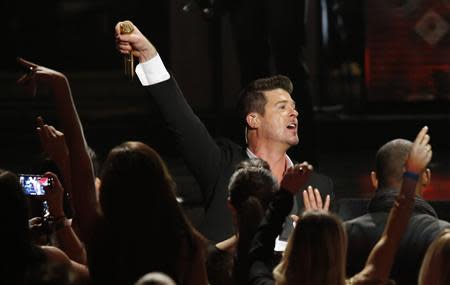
(253, 162)
(251, 189)
(14, 207)
(390, 162)
(135, 183)
(316, 252)
(20, 260)
(144, 228)
(155, 278)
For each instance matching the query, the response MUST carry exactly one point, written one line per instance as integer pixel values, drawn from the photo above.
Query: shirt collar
(289, 162)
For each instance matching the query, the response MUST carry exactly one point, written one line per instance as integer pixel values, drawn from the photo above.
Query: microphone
(126, 27)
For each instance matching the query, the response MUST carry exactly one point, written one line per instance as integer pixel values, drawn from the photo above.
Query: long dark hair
(251, 188)
(316, 252)
(14, 208)
(142, 220)
(19, 256)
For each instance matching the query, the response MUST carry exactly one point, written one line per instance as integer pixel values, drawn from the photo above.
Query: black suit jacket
(363, 233)
(211, 162)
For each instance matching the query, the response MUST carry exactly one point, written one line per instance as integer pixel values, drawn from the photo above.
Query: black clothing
(364, 232)
(212, 163)
(122, 252)
(25, 263)
(262, 259)
(219, 266)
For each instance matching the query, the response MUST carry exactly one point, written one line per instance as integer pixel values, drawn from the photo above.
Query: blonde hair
(316, 252)
(435, 269)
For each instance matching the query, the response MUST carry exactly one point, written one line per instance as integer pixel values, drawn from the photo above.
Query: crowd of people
(268, 219)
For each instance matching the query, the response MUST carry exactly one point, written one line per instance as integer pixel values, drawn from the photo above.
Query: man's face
(279, 123)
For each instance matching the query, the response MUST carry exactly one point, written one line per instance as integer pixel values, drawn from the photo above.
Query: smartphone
(34, 184)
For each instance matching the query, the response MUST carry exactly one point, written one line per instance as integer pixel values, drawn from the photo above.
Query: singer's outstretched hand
(134, 42)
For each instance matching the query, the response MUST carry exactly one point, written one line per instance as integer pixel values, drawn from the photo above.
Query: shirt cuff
(152, 71)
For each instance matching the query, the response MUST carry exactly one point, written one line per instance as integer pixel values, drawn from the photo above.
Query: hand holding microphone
(131, 42)
(126, 28)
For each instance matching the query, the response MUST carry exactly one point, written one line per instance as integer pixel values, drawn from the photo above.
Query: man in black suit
(364, 231)
(270, 117)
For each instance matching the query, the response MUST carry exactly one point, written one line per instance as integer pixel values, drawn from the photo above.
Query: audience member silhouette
(251, 188)
(142, 227)
(423, 226)
(23, 262)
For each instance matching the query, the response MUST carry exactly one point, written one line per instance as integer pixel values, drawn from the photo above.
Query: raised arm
(134, 42)
(66, 238)
(83, 189)
(54, 145)
(381, 258)
(200, 152)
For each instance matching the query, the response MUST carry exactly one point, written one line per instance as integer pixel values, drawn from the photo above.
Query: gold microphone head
(126, 27)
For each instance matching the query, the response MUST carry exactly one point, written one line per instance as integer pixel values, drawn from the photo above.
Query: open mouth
(292, 126)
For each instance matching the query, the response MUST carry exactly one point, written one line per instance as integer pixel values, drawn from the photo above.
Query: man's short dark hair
(252, 98)
(390, 160)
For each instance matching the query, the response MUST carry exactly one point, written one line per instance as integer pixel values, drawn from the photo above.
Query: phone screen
(33, 184)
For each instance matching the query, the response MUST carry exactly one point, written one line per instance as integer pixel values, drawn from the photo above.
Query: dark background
(352, 119)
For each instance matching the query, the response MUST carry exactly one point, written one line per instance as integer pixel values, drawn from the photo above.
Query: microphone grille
(126, 27)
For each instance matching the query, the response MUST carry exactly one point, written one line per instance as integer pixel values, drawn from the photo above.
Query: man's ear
(425, 178)
(252, 120)
(374, 179)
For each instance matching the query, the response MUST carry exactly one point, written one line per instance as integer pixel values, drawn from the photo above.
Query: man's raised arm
(201, 153)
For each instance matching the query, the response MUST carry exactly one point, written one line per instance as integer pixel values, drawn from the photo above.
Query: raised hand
(313, 201)
(134, 42)
(295, 177)
(54, 195)
(420, 154)
(53, 143)
(37, 75)
(39, 230)
(78, 176)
